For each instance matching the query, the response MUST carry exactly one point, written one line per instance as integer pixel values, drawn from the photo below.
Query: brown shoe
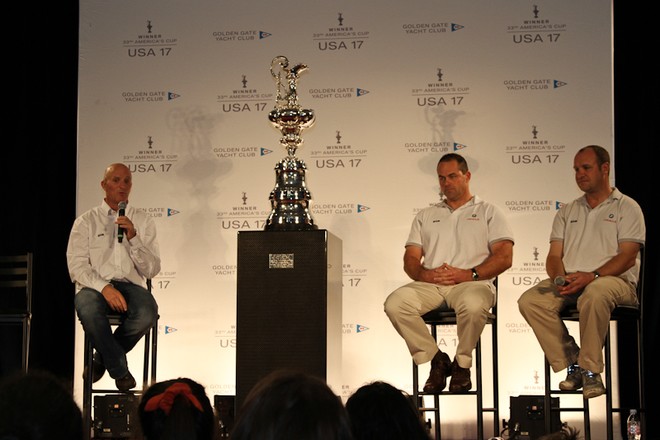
(460, 379)
(440, 369)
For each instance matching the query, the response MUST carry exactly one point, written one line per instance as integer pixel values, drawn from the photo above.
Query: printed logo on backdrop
(341, 34)
(244, 97)
(148, 42)
(163, 281)
(430, 28)
(532, 84)
(535, 149)
(439, 147)
(536, 28)
(236, 152)
(339, 154)
(158, 212)
(416, 210)
(353, 275)
(338, 92)
(148, 96)
(226, 338)
(350, 329)
(222, 389)
(339, 208)
(534, 383)
(243, 214)
(531, 261)
(239, 35)
(168, 329)
(224, 270)
(441, 91)
(150, 158)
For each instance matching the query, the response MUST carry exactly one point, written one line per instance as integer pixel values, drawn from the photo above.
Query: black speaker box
(289, 300)
(225, 410)
(528, 417)
(115, 416)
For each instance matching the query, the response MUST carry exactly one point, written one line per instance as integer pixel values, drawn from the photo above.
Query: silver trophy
(290, 197)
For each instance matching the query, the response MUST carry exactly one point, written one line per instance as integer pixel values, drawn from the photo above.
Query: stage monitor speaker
(115, 416)
(289, 300)
(528, 417)
(225, 409)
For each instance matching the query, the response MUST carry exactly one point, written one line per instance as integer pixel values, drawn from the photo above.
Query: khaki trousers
(471, 300)
(541, 304)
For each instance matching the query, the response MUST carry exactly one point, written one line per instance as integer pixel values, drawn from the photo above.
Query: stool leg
(480, 403)
(547, 398)
(87, 388)
(608, 387)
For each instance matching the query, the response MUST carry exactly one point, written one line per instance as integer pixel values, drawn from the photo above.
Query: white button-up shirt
(94, 255)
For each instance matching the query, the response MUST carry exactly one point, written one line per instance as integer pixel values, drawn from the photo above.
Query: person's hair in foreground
(38, 406)
(287, 405)
(176, 409)
(381, 411)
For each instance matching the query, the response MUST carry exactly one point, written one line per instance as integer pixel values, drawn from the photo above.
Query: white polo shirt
(460, 237)
(591, 236)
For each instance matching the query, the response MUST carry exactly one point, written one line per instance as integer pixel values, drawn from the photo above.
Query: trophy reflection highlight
(290, 197)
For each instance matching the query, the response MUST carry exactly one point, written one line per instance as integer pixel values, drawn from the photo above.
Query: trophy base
(286, 223)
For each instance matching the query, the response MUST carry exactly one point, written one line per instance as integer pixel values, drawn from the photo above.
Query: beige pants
(471, 300)
(540, 306)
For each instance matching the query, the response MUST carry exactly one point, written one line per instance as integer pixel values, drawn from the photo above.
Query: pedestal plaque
(289, 302)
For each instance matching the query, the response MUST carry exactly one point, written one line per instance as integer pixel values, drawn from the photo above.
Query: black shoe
(98, 369)
(440, 369)
(460, 379)
(125, 382)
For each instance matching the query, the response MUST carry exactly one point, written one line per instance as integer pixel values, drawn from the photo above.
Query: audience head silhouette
(380, 411)
(287, 405)
(176, 409)
(38, 406)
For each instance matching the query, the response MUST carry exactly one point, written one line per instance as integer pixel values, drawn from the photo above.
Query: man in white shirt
(454, 252)
(593, 263)
(112, 251)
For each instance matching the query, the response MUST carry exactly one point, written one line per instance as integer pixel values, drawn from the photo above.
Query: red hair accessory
(165, 399)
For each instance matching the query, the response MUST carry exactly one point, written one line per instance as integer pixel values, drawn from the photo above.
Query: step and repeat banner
(181, 91)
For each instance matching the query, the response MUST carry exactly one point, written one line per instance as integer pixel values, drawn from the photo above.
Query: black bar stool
(148, 371)
(619, 314)
(446, 316)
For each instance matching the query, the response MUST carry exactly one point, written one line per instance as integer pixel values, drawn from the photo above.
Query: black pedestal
(288, 305)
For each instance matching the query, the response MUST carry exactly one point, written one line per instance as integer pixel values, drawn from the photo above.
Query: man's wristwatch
(475, 274)
(596, 274)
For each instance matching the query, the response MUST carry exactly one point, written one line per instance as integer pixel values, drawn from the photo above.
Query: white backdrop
(180, 92)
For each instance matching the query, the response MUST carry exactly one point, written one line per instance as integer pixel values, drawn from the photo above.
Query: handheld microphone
(120, 230)
(560, 281)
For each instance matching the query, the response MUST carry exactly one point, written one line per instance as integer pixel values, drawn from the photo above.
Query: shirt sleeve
(78, 257)
(144, 249)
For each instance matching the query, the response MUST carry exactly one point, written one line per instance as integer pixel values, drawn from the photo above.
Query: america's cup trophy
(290, 197)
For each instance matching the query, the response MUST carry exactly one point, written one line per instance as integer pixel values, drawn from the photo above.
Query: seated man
(454, 252)
(593, 262)
(112, 250)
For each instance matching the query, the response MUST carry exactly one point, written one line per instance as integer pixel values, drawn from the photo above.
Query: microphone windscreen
(122, 205)
(560, 281)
